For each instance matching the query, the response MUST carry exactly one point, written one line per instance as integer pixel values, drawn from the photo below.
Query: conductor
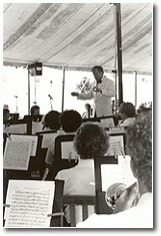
(102, 91)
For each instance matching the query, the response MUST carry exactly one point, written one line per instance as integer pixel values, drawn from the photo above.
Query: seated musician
(51, 121)
(70, 120)
(128, 113)
(127, 214)
(90, 140)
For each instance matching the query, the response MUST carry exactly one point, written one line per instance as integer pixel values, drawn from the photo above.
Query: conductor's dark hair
(70, 120)
(99, 68)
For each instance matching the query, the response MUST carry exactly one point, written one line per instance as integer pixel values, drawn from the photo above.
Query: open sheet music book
(17, 154)
(32, 138)
(16, 128)
(107, 122)
(47, 138)
(113, 173)
(36, 127)
(68, 151)
(116, 148)
(29, 203)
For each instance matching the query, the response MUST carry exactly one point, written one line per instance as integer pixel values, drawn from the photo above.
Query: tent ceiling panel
(77, 35)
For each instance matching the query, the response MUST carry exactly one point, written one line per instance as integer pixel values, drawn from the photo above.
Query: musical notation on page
(17, 154)
(30, 203)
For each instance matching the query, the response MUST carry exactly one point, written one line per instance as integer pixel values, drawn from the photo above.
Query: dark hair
(127, 108)
(52, 120)
(139, 142)
(99, 68)
(34, 108)
(70, 120)
(91, 140)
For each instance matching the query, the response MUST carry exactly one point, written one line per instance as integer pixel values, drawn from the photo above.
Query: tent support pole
(119, 50)
(63, 86)
(28, 90)
(135, 74)
(115, 69)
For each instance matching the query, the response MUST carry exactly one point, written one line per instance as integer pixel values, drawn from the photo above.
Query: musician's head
(91, 140)
(51, 120)
(70, 120)
(35, 110)
(139, 147)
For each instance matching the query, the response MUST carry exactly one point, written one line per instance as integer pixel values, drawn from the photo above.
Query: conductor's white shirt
(102, 100)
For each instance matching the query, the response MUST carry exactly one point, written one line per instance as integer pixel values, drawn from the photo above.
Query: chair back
(75, 200)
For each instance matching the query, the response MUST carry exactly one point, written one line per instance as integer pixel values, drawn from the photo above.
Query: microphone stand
(51, 102)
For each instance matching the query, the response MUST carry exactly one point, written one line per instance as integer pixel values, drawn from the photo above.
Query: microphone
(50, 97)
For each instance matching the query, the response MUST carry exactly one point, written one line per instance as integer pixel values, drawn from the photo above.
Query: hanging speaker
(36, 69)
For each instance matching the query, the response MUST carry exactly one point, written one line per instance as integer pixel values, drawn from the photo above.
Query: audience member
(127, 113)
(51, 121)
(90, 141)
(88, 113)
(35, 114)
(35, 110)
(139, 143)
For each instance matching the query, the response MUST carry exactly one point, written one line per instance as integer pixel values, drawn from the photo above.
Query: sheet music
(17, 154)
(116, 146)
(32, 138)
(67, 150)
(47, 139)
(36, 127)
(113, 173)
(18, 128)
(108, 122)
(110, 174)
(30, 202)
(127, 175)
(116, 130)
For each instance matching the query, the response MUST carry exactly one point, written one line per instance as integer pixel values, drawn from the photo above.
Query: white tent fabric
(77, 36)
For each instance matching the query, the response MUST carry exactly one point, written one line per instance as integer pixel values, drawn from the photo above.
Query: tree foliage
(84, 86)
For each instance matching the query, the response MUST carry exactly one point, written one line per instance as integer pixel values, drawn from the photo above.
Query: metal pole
(115, 56)
(119, 50)
(35, 88)
(63, 86)
(28, 91)
(135, 73)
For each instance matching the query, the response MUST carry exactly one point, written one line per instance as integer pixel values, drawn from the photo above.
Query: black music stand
(59, 163)
(101, 205)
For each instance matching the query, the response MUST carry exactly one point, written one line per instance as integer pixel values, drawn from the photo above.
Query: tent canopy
(77, 36)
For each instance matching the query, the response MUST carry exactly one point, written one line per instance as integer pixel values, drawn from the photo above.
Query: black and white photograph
(78, 94)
